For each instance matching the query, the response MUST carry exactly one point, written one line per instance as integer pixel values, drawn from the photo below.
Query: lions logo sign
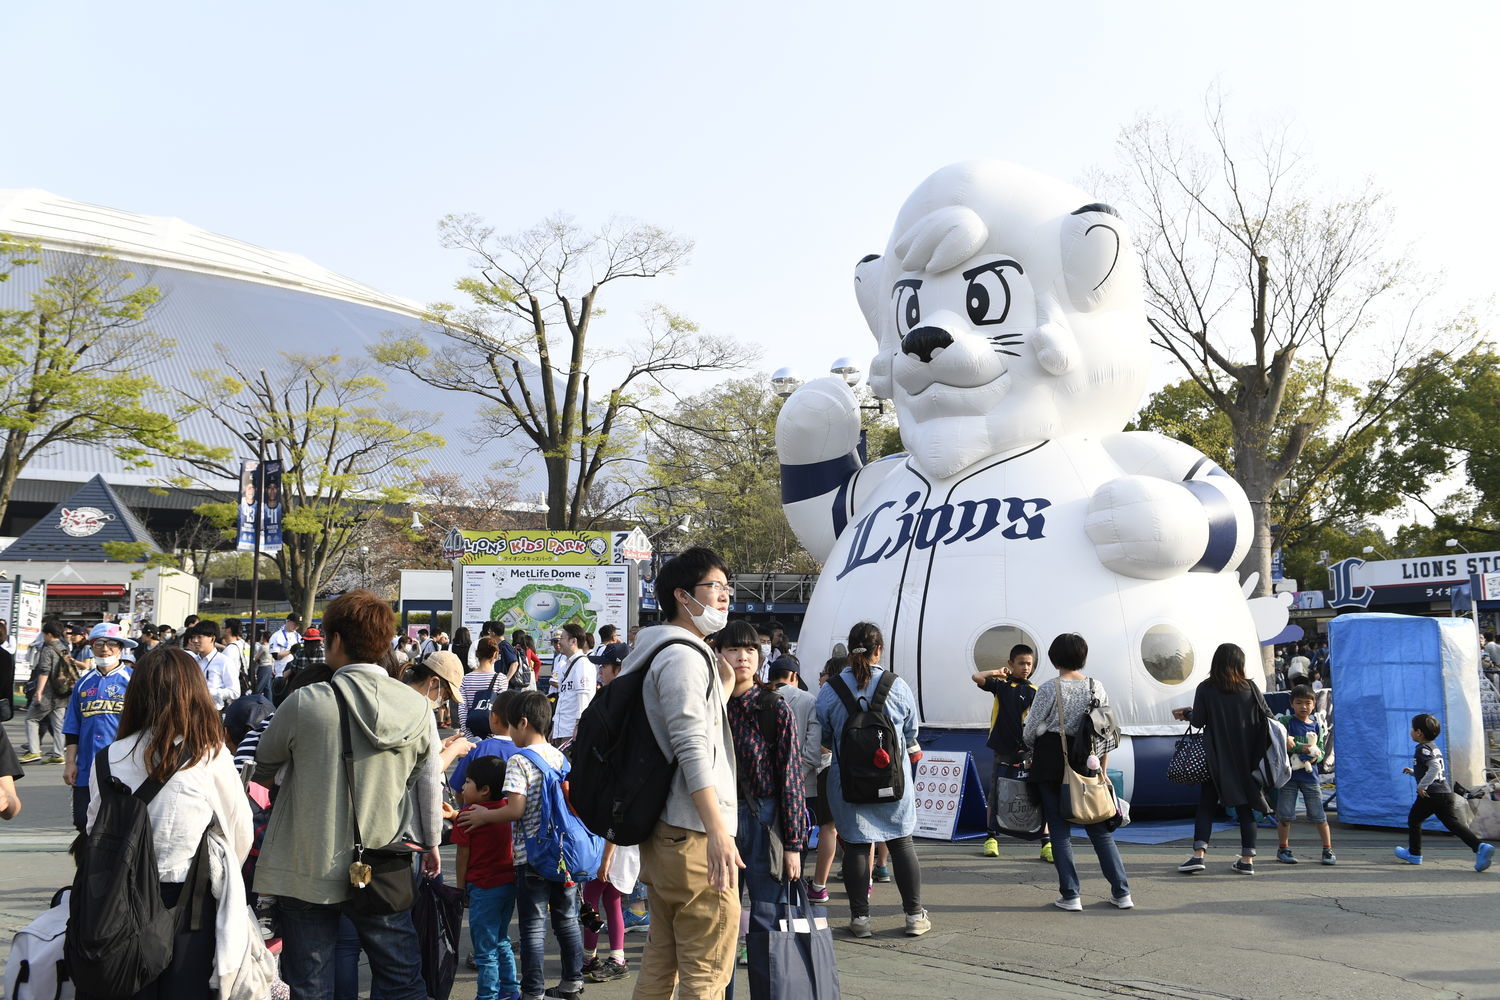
(80, 522)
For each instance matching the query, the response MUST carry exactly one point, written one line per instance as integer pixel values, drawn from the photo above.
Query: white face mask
(106, 662)
(438, 698)
(765, 649)
(709, 620)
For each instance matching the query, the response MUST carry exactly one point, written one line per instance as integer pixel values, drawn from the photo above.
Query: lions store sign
(1360, 584)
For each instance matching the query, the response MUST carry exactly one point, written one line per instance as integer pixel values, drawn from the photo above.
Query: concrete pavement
(1368, 929)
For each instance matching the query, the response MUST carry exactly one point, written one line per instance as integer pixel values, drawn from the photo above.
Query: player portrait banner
(261, 507)
(249, 504)
(272, 506)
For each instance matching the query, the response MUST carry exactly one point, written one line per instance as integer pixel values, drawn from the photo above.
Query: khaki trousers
(694, 928)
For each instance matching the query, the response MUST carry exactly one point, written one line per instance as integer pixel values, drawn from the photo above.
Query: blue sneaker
(637, 921)
(1483, 857)
(1408, 856)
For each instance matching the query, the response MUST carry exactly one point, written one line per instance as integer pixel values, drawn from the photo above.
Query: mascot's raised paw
(1146, 528)
(819, 422)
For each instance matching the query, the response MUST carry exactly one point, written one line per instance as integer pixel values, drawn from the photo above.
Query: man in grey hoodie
(690, 861)
(309, 841)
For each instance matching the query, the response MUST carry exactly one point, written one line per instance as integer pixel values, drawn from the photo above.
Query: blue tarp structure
(1387, 669)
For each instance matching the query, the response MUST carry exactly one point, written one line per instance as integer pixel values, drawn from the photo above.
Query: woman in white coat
(170, 731)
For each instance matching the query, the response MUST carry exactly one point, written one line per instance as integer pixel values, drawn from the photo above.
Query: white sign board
(939, 790)
(1489, 586)
(537, 599)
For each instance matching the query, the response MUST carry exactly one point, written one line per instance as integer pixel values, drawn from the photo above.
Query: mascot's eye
(987, 298)
(908, 309)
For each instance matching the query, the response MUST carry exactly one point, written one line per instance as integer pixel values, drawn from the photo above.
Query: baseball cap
(449, 667)
(114, 632)
(312, 634)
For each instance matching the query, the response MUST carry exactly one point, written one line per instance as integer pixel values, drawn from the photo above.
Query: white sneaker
(1074, 903)
(1123, 902)
(860, 927)
(917, 924)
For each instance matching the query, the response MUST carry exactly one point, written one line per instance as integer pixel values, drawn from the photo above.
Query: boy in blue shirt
(93, 713)
(1305, 742)
(1435, 797)
(497, 744)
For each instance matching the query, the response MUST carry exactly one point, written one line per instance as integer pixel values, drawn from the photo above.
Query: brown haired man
(309, 843)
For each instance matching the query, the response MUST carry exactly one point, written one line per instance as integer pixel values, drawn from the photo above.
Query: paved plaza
(1369, 928)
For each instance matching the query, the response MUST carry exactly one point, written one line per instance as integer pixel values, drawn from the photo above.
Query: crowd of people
(313, 759)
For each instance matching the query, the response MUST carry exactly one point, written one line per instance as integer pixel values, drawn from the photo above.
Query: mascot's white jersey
(1011, 337)
(957, 571)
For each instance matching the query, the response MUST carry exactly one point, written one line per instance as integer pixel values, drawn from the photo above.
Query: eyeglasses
(717, 587)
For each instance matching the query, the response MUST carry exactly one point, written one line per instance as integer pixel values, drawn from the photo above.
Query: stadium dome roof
(254, 302)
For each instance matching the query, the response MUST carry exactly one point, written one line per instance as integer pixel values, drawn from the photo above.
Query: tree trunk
(1254, 476)
(557, 493)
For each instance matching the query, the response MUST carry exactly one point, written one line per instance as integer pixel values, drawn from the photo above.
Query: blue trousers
(1062, 846)
(489, 929)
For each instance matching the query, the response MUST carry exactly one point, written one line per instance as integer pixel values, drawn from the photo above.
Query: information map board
(950, 797)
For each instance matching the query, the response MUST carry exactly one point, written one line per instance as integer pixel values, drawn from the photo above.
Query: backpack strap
(150, 787)
(845, 695)
(882, 688)
(548, 771)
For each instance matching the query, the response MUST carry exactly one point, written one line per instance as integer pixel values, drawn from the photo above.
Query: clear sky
(780, 136)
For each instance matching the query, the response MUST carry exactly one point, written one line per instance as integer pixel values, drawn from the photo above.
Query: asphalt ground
(1369, 928)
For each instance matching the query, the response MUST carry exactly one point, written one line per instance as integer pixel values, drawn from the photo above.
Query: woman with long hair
(862, 824)
(170, 732)
(1233, 714)
(1043, 732)
(772, 828)
(463, 642)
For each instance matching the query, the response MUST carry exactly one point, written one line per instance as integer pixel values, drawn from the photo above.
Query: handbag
(1087, 799)
(438, 916)
(1189, 763)
(791, 948)
(381, 876)
(1016, 806)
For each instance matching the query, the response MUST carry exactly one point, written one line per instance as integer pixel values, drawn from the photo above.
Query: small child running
(487, 870)
(1435, 797)
(1305, 743)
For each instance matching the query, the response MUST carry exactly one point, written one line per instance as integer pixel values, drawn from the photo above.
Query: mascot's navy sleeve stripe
(841, 501)
(803, 482)
(1222, 527)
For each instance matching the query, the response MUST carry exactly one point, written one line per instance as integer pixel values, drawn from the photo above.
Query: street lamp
(785, 381)
(1368, 549)
(1453, 543)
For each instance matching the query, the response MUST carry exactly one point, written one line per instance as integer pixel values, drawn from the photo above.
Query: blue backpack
(562, 849)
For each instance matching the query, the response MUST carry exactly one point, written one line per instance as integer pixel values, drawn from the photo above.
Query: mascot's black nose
(924, 340)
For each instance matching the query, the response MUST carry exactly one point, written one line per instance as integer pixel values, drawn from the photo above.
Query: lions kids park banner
(538, 581)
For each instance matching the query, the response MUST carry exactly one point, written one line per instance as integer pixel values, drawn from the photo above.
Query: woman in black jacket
(1233, 715)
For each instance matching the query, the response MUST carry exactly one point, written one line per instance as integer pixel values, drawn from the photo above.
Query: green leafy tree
(73, 363)
(522, 347)
(713, 460)
(347, 454)
(1252, 279)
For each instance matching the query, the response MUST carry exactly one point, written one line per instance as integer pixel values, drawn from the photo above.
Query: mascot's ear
(867, 290)
(1096, 256)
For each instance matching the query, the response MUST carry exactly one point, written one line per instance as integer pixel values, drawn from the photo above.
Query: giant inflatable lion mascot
(1011, 336)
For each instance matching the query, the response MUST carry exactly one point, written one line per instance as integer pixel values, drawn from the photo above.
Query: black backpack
(870, 749)
(120, 935)
(621, 778)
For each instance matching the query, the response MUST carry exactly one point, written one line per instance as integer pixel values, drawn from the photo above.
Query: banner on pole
(261, 506)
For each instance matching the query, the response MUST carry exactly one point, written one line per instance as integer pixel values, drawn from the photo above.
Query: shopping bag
(438, 917)
(1017, 806)
(1189, 763)
(791, 949)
